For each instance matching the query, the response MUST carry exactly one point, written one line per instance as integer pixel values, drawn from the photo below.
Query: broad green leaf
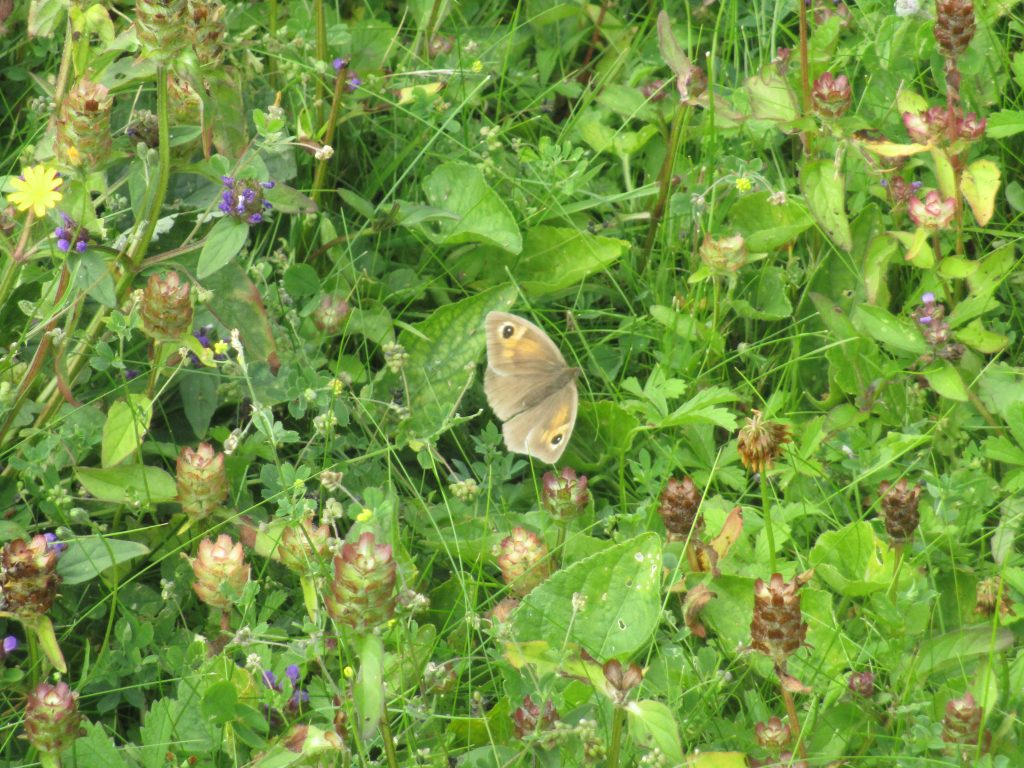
(976, 336)
(770, 96)
(237, 304)
(671, 52)
(702, 409)
(652, 725)
(910, 101)
(125, 427)
(219, 701)
(225, 110)
(945, 379)
(368, 692)
(94, 277)
(87, 557)
(763, 296)
(767, 226)
(853, 561)
(957, 268)
(552, 259)
(603, 430)
(443, 351)
(945, 175)
(157, 732)
(223, 242)
(483, 215)
(95, 748)
(128, 483)
(891, 148)
(980, 183)
(956, 649)
(199, 398)
(824, 189)
(1005, 123)
(883, 326)
(616, 594)
(289, 200)
(918, 249)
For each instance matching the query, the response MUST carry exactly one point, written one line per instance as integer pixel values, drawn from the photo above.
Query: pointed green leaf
(947, 381)
(978, 337)
(88, 556)
(125, 427)
(853, 560)
(883, 326)
(980, 183)
(127, 484)
(652, 725)
(237, 304)
(609, 603)
(771, 98)
(824, 188)
(483, 216)
(223, 242)
(368, 692)
(443, 351)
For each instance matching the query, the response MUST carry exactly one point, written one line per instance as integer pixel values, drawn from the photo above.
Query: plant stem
(794, 721)
(328, 136)
(618, 718)
(805, 77)
(766, 510)
(665, 178)
(388, 739)
(898, 548)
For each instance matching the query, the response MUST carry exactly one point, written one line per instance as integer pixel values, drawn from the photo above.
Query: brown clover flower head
(934, 212)
(220, 570)
(28, 576)
(962, 723)
(166, 308)
(51, 717)
(362, 593)
(531, 720)
(862, 684)
(564, 495)
(773, 733)
(678, 507)
(523, 560)
(202, 481)
(330, 314)
(832, 95)
(777, 629)
(760, 442)
(899, 509)
(954, 26)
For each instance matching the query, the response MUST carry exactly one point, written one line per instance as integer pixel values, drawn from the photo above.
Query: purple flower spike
(293, 673)
(228, 180)
(916, 184)
(81, 246)
(270, 680)
(243, 199)
(255, 218)
(55, 544)
(928, 298)
(64, 245)
(339, 64)
(354, 82)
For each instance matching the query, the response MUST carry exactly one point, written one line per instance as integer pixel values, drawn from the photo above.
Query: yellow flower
(477, 66)
(220, 347)
(348, 672)
(364, 515)
(743, 184)
(36, 189)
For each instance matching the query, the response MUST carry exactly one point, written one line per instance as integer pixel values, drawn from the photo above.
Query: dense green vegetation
(259, 510)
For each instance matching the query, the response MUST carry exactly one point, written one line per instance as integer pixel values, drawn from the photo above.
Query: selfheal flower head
(243, 199)
(934, 212)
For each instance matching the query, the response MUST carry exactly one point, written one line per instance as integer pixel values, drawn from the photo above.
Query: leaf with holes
(609, 603)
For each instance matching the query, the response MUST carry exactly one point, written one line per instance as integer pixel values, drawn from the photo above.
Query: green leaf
(883, 326)
(670, 49)
(218, 703)
(223, 242)
(956, 649)
(701, 409)
(368, 692)
(770, 96)
(1005, 123)
(289, 200)
(95, 749)
(128, 483)
(853, 561)
(766, 226)
(556, 258)
(95, 279)
(301, 280)
(617, 593)
(824, 189)
(87, 557)
(443, 350)
(199, 398)
(237, 304)
(979, 184)
(483, 215)
(945, 379)
(125, 427)
(976, 336)
(763, 296)
(157, 733)
(919, 250)
(652, 725)
(225, 110)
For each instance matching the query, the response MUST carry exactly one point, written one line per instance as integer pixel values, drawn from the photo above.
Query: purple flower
(71, 234)
(925, 319)
(293, 673)
(55, 544)
(884, 182)
(243, 199)
(928, 298)
(298, 698)
(9, 644)
(130, 373)
(339, 64)
(270, 680)
(354, 82)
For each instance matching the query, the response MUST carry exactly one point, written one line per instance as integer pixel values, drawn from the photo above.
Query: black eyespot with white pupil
(507, 331)
(556, 439)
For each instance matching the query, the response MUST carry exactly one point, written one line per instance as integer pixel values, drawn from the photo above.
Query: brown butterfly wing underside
(529, 387)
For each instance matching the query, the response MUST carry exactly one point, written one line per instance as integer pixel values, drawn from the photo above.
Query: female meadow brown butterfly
(529, 387)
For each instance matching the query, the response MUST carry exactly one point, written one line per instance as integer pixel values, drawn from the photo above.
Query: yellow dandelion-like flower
(477, 66)
(364, 515)
(743, 184)
(348, 672)
(36, 189)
